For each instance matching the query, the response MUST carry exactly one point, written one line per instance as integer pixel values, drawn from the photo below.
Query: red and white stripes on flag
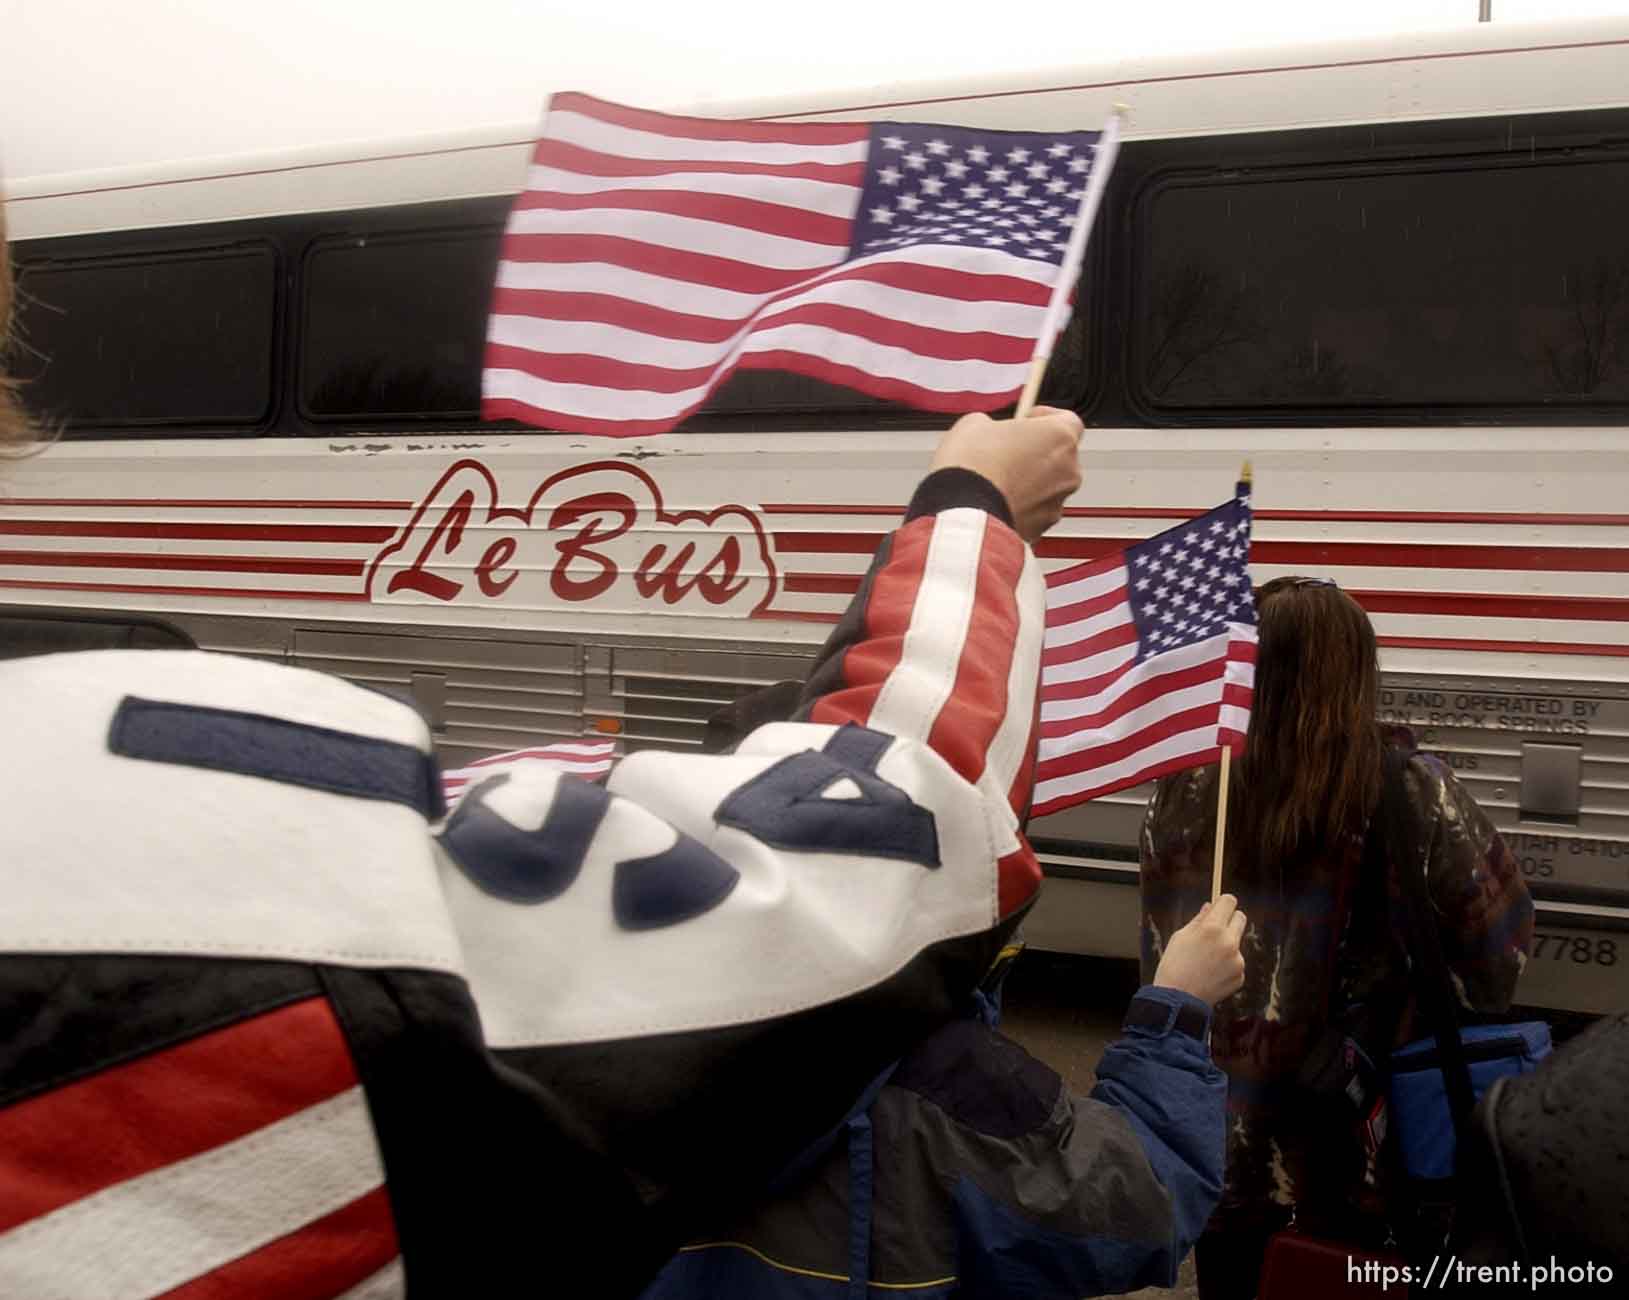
(589, 759)
(651, 255)
(180, 1174)
(1149, 665)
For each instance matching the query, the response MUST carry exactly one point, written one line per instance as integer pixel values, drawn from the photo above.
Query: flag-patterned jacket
(977, 1173)
(1321, 937)
(261, 1033)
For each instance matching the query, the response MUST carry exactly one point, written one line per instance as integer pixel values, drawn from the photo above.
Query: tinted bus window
(182, 338)
(395, 326)
(1457, 285)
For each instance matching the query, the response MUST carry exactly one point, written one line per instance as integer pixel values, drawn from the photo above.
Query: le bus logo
(591, 533)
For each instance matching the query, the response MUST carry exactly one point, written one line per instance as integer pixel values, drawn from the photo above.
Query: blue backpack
(1435, 1082)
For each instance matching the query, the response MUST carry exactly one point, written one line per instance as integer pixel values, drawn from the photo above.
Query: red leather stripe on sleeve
(1018, 877)
(131, 1119)
(968, 722)
(322, 1260)
(888, 609)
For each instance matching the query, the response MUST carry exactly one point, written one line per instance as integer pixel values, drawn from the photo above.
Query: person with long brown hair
(1325, 930)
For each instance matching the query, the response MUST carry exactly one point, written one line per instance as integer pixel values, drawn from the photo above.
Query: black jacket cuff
(946, 489)
(1160, 1011)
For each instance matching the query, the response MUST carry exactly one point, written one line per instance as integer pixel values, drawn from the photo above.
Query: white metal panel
(1471, 71)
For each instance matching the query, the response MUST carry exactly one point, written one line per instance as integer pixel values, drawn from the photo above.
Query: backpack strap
(1434, 986)
(861, 1185)
(1507, 1194)
(805, 1161)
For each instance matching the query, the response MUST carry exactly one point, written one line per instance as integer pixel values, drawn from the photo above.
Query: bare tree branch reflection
(1310, 371)
(1197, 316)
(1592, 347)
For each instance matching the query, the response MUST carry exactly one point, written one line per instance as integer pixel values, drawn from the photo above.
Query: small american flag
(1149, 665)
(650, 255)
(590, 759)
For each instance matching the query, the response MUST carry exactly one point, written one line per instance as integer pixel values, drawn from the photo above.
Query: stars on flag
(999, 190)
(1191, 581)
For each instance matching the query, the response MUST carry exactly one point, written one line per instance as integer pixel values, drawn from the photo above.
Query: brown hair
(14, 428)
(1310, 774)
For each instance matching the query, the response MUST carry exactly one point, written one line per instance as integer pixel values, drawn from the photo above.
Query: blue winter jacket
(975, 1172)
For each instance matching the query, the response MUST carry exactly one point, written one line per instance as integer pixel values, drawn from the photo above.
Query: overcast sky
(97, 83)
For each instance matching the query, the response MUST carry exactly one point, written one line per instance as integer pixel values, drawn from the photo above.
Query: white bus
(1393, 274)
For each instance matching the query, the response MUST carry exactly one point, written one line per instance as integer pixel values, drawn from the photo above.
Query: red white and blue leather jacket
(269, 1027)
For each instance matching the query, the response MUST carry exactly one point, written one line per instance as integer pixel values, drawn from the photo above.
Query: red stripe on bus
(1399, 642)
(189, 563)
(1433, 517)
(1299, 516)
(1452, 603)
(1398, 555)
(827, 543)
(1426, 555)
(792, 508)
(181, 530)
(823, 584)
(1507, 647)
(797, 615)
(152, 589)
(186, 503)
(1493, 605)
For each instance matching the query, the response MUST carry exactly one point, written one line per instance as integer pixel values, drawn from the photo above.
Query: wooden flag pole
(1074, 255)
(1221, 784)
(1032, 385)
(1221, 825)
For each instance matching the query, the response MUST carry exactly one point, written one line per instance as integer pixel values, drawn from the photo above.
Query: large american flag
(651, 255)
(1149, 659)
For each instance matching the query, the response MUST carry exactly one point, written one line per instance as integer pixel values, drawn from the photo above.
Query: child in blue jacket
(969, 1169)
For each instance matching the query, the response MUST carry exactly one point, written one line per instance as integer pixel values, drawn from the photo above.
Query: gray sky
(97, 83)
